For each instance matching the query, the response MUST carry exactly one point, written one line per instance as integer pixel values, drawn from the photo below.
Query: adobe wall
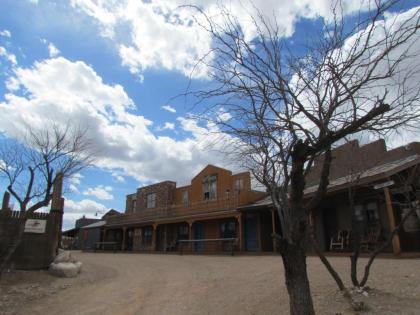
(351, 158)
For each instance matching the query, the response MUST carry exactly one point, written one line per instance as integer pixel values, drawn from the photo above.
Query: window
(210, 187)
(183, 232)
(147, 238)
(372, 212)
(228, 229)
(151, 200)
(239, 184)
(185, 198)
(134, 204)
(367, 213)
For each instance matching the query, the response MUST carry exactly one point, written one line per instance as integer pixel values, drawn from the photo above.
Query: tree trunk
(294, 262)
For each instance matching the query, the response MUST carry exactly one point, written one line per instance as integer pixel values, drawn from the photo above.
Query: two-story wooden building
(221, 205)
(158, 216)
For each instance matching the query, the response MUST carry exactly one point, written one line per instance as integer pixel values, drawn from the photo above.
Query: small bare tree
(30, 167)
(281, 110)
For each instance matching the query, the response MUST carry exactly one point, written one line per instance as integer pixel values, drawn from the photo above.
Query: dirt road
(173, 284)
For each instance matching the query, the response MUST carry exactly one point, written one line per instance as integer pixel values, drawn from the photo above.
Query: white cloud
(74, 182)
(74, 210)
(101, 192)
(8, 56)
(118, 177)
(169, 108)
(52, 50)
(5, 33)
(65, 91)
(167, 126)
(165, 34)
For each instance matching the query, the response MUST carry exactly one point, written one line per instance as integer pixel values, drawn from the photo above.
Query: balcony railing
(180, 210)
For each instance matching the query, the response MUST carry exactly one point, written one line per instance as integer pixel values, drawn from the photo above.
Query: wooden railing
(179, 210)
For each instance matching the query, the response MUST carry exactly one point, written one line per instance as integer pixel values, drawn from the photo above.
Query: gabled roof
(208, 166)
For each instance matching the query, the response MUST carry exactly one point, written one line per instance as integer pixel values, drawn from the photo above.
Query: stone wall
(165, 192)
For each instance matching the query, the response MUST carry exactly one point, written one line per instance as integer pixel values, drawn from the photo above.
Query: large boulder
(65, 269)
(63, 257)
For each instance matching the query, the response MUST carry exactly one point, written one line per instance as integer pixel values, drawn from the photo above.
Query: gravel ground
(173, 284)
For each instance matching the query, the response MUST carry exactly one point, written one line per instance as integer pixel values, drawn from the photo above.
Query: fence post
(56, 215)
(5, 205)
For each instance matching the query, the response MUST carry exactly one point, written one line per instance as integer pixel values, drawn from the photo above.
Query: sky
(120, 66)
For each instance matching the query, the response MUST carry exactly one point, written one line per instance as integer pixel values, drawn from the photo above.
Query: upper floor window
(210, 187)
(134, 204)
(239, 184)
(185, 198)
(151, 200)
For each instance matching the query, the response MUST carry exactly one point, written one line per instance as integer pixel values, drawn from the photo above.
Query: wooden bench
(232, 241)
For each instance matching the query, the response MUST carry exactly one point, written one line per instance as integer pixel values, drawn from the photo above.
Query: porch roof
(371, 175)
(94, 225)
(179, 219)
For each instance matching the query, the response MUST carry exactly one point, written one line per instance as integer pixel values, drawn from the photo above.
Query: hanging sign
(385, 184)
(35, 226)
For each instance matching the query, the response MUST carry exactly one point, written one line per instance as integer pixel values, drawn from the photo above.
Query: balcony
(181, 210)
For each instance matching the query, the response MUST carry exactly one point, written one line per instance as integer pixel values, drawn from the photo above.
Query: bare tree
(407, 182)
(31, 166)
(280, 110)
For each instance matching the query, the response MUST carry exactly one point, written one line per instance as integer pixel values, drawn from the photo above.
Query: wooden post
(124, 230)
(396, 246)
(240, 234)
(6, 200)
(190, 233)
(273, 224)
(154, 237)
(56, 214)
(103, 239)
(56, 203)
(165, 240)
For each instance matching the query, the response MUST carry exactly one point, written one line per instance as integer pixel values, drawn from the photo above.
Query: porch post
(103, 238)
(165, 240)
(396, 246)
(273, 225)
(241, 242)
(190, 234)
(154, 237)
(124, 229)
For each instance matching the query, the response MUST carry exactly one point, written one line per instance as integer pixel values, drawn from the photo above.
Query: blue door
(199, 235)
(251, 238)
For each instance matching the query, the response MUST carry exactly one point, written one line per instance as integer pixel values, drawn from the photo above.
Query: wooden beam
(396, 246)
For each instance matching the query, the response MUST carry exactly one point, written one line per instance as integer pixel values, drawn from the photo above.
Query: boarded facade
(221, 205)
(160, 216)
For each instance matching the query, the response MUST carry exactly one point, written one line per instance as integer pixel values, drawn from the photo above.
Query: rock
(62, 257)
(79, 265)
(64, 269)
(358, 306)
